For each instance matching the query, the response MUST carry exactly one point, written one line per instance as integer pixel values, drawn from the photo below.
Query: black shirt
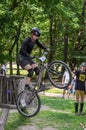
(80, 80)
(28, 46)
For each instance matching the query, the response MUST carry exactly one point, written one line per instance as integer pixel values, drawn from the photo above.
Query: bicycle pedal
(29, 89)
(44, 88)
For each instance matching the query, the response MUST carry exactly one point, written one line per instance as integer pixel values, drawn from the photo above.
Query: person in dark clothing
(25, 59)
(80, 88)
(2, 72)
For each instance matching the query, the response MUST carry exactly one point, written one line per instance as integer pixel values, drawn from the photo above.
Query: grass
(58, 103)
(55, 90)
(15, 120)
(60, 115)
(60, 121)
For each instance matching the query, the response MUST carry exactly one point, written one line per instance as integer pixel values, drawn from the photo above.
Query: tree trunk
(52, 33)
(11, 70)
(3, 118)
(51, 38)
(15, 43)
(17, 47)
(65, 45)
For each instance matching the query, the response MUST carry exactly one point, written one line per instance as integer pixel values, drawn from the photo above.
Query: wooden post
(3, 118)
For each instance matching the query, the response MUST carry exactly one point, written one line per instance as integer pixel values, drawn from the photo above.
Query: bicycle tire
(32, 103)
(56, 70)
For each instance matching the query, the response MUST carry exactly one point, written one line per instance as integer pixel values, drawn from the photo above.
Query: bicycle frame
(43, 67)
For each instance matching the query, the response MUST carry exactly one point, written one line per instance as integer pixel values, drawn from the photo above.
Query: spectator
(73, 84)
(71, 87)
(65, 80)
(4, 68)
(80, 88)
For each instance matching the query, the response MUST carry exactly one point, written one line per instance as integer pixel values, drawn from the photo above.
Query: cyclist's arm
(40, 45)
(23, 50)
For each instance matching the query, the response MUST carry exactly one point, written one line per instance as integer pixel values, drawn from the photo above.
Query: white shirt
(4, 68)
(66, 77)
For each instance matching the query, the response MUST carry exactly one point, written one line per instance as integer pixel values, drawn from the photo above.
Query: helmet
(36, 32)
(83, 64)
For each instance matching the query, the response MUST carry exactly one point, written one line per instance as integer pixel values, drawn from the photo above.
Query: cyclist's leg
(29, 65)
(30, 68)
(26, 64)
(29, 75)
(35, 68)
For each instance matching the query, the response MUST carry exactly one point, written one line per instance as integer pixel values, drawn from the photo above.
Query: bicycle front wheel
(56, 70)
(28, 103)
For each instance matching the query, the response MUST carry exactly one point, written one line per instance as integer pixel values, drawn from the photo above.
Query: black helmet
(36, 32)
(83, 64)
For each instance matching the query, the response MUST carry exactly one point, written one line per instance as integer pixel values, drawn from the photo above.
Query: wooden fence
(9, 90)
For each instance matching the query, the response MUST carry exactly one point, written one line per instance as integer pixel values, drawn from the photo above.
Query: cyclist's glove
(30, 57)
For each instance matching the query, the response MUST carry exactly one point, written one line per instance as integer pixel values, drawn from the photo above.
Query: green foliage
(64, 17)
(60, 104)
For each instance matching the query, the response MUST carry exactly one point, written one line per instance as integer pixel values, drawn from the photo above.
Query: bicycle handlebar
(42, 58)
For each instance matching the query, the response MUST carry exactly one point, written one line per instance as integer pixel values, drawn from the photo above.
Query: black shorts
(23, 61)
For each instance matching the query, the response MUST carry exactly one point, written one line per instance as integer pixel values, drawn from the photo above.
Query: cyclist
(25, 59)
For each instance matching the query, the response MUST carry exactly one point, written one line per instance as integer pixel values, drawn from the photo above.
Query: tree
(62, 24)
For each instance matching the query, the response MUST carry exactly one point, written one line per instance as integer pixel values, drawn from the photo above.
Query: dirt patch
(35, 128)
(43, 108)
(28, 128)
(49, 128)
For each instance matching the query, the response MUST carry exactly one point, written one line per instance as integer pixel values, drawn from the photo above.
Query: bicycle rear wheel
(56, 71)
(28, 103)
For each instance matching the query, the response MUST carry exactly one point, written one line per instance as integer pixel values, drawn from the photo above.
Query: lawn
(59, 115)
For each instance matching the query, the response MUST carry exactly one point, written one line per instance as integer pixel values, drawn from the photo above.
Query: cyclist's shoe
(23, 103)
(43, 87)
(28, 88)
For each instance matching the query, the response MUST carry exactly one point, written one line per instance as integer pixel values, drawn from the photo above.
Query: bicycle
(28, 101)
